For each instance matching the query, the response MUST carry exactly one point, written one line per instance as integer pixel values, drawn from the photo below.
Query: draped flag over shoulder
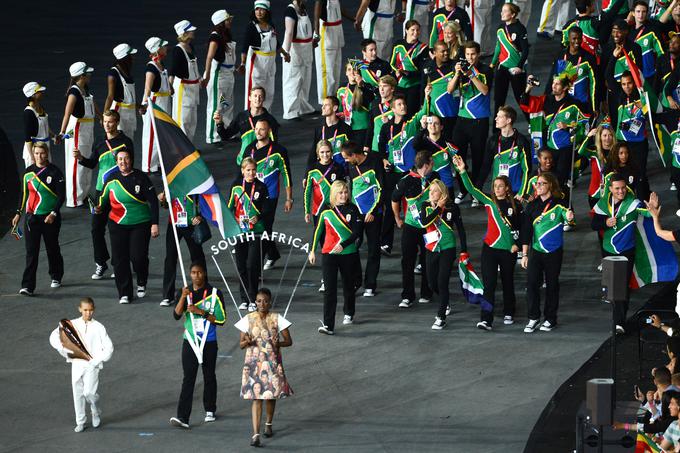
(644, 98)
(472, 286)
(655, 259)
(187, 173)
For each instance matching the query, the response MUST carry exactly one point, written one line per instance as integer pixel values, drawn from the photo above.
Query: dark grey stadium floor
(388, 383)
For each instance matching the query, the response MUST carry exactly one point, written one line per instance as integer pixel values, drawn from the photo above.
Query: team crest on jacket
(513, 36)
(378, 72)
(552, 216)
(271, 163)
(333, 175)
(567, 115)
(48, 179)
(448, 216)
(137, 189)
(256, 195)
(509, 211)
(348, 217)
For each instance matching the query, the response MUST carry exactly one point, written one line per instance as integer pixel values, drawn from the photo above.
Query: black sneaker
(99, 271)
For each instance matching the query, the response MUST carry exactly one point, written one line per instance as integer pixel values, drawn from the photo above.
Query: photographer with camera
(561, 114)
(472, 127)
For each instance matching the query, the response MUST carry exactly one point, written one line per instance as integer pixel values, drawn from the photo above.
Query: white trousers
(84, 381)
(149, 144)
(185, 106)
(78, 178)
(220, 86)
(260, 71)
(328, 70)
(297, 81)
(553, 16)
(482, 23)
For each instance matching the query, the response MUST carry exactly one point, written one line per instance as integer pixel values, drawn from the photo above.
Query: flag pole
(166, 190)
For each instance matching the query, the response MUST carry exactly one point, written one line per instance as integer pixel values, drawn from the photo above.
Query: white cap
(154, 44)
(183, 26)
(264, 4)
(123, 50)
(31, 88)
(79, 68)
(220, 16)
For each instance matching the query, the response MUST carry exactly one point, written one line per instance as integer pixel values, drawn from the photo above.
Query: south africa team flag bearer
(185, 173)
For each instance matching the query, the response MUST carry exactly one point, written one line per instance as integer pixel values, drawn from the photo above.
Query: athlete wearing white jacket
(297, 73)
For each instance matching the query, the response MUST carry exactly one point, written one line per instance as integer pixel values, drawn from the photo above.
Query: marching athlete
(510, 56)
(321, 174)
(85, 373)
(203, 310)
(542, 242)
(43, 195)
(499, 251)
(258, 54)
(366, 176)
(410, 192)
(157, 88)
(297, 70)
(36, 125)
(130, 200)
(219, 74)
(440, 216)
(248, 200)
(244, 122)
(333, 130)
(185, 78)
(77, 131)
(596, 148)
(104, 157)
(553, 16)
(472, 127)
(330, 39)
(340, 226)
(121, 95)
(355, 103)
(616, 214)
(272, 166)
(431, 139)
(409, 55)
(184, 215)
(507, 154)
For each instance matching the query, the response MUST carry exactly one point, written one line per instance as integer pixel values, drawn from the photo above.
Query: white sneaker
(347, 320)
(174, 421)
(459, 198)
(677, 213)
(567, 227)
(99, 271)
(252, 307)
(673, 186)
(243, 306)
(483, 325)
(531, 326)
(507, 320)
(141, 291)
(55, 284)
(79, 428)
(439, 323)
(322, 288)
(474, 204)
(368, 292)
(113, 275)
(423, 300)
(547, 326)
(124, 300)
(599, 267)
(620, 330)
(209, 417)
(405, 303)
(96, 419)
(166, 303)
(448, 310)
(385, 250)
(418, 270)
(325, 330)
(268, 264)
(25, 292)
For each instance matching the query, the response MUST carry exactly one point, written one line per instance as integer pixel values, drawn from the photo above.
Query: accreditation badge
(137, 189)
